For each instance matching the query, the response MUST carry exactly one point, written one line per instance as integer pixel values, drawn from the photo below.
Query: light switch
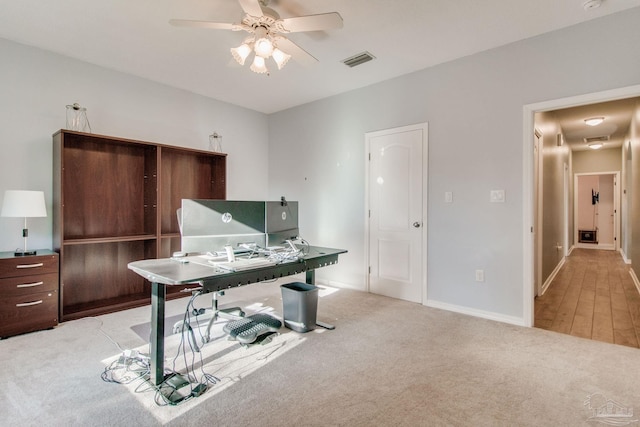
(448, 197)
(497, 196)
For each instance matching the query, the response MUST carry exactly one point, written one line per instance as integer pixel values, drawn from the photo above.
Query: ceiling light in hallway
(591, 4)
(594, 121)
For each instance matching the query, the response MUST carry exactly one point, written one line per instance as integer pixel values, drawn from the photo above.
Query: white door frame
(537, 227)
(616, 209)
(425, 188)
(527, 178)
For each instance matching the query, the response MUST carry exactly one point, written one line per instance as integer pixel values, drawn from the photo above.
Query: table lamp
(27, 204)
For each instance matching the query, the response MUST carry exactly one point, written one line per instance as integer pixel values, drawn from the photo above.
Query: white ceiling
(134, 36)
(617, 120)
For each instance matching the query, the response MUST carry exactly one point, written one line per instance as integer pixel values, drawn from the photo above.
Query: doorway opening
(596, 210)
(530, 201)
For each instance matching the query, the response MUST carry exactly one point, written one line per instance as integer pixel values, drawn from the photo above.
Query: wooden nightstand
(28, 292)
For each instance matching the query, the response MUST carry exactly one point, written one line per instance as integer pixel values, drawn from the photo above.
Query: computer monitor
(210, 225)
(281, 222)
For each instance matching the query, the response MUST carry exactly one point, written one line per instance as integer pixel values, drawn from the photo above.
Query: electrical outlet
(479, 275)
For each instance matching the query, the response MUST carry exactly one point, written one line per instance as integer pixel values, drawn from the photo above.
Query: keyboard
(243, 264)
(248, 329)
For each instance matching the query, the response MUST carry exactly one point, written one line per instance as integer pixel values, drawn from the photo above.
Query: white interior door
(396, 227)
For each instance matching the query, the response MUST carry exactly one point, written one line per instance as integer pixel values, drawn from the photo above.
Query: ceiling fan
(266, 29)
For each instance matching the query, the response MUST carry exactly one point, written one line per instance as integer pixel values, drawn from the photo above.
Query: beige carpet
(388, 362)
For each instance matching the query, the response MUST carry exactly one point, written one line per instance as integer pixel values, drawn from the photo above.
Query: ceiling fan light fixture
(259, 65)
(266, 29)
(263, 47)
(241, 53)
(280, 57)
(594, 121)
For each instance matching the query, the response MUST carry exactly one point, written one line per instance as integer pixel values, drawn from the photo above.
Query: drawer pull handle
(29, 285)
(40, 264)
(27, 304)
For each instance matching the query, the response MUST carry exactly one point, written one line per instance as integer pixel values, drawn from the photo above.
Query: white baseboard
(338, 285)
(518, 321)
(624, 257)
(635, 279)
(601, 246)
(552, 276)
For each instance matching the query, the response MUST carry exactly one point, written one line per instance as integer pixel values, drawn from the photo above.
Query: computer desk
(170, 272)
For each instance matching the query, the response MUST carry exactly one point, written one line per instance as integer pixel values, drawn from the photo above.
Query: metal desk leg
(311, 277)
(158, 295)
(311, 280)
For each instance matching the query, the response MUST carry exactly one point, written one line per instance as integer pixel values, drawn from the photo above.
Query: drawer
(28, 265)
(15, 286)
(28, 313)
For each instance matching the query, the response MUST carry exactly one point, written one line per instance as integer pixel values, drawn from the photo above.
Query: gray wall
(592, 161)
(474, 107)
(626, 189)
(633, 190)
(554, 158)
(36, 85)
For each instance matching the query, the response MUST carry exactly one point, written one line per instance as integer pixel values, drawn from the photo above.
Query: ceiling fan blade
(296, 52)
(204, 24)
(251, 7)
(323, 21)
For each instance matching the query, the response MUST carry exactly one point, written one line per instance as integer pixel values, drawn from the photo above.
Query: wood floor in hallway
(592, 296)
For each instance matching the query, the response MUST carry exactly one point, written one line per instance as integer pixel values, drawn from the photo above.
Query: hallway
(593, 296)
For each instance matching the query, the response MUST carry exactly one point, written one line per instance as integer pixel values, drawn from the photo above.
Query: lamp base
(24, 253)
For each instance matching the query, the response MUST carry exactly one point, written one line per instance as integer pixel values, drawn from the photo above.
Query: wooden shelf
(115, 201)
(170, 235)
(95, 308)
(88, 241)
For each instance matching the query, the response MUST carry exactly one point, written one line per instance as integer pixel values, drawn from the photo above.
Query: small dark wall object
(588, 236)
(595, 197)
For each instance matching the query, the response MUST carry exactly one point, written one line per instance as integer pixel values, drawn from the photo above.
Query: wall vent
(596, 139)
(358, 59)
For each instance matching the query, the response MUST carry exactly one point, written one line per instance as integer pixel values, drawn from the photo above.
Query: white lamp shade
(23, 203)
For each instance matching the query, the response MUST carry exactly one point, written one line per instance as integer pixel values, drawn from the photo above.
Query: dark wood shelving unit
(115, 201)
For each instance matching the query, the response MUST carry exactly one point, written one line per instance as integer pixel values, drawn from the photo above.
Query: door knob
(417, 224)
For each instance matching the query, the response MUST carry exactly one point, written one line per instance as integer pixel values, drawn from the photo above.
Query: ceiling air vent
(358, 59)
(597, 139)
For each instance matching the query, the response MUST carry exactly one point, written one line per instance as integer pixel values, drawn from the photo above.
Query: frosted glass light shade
(241, 53)
(23, 203)
(258, 65)
(280, 57)
(264, 47)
